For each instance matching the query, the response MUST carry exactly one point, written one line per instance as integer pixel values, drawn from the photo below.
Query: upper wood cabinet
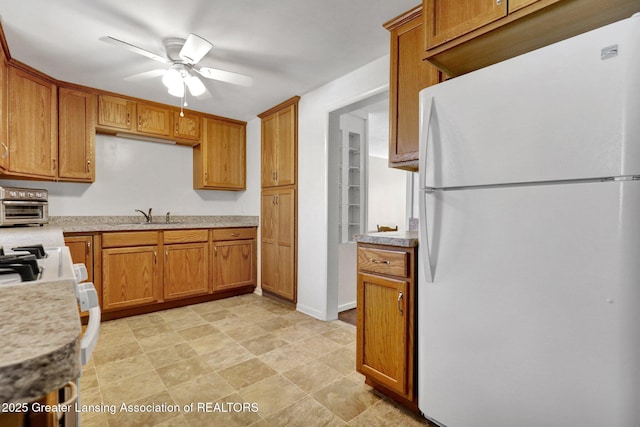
(76, 135)
(33, 125)
(448, 19)
(153, 120)
(279, 144)
(116, 113)
(186, 126)
(219, 162)
(408, 75)
(4, 89)
(138, 117)
(466, 35)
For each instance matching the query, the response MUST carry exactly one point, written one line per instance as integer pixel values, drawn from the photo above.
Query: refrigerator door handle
(426, 115)
(424, 237)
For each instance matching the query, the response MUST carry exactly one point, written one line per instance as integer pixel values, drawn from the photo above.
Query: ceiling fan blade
(135, 49)
(225, 76)
(194, 49)
(146, 75)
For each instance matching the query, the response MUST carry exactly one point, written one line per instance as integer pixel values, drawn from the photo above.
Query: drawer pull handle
(377, 261)
(400, 296)
(235, 234)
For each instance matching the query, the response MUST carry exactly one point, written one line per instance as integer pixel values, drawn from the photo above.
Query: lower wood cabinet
(186, 263)
(234, 258)
(278, 253)
(386, 317)
(144, 271)
(129, 276)
(83, 251)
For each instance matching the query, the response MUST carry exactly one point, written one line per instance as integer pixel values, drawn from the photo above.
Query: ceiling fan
(183, 55)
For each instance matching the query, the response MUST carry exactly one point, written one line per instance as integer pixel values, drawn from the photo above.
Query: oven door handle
(23, 203)
(88, 299)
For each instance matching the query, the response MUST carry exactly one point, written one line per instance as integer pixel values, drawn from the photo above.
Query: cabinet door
(153, 120)
(187, 126)
(269, 150)
(4, 113)
(286, 151)
(223, 155)
(186, 270)
(409, 75)
(382, 348)
(130, 276)
(234, 264)
(268, 241)
(33, 125)
(116, 113)
(448, 19)
(77, 135)
(81, 248)
(279, 243)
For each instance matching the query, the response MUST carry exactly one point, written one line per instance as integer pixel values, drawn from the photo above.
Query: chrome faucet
(146, 216)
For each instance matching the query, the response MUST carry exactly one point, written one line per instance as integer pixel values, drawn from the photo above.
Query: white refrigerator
(529, 280)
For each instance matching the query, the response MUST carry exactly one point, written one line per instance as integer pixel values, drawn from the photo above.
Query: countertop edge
(392, 238)
(99, 224)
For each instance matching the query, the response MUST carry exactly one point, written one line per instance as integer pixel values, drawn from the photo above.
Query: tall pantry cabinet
(279, 206)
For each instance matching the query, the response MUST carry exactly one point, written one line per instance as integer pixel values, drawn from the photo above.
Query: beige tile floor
(242, 361)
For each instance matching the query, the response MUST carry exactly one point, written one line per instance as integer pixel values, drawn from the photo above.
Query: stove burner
(37, 250)
(25, 265)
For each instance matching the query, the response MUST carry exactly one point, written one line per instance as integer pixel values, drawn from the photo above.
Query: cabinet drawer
(186, 236)
(130, 238)
(233, 233)
(395, 263)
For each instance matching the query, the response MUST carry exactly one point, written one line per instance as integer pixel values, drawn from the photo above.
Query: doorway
(363, 191)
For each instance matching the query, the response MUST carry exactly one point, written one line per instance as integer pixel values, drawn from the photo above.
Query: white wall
(132, 174)
(314, 296)
(387, 195)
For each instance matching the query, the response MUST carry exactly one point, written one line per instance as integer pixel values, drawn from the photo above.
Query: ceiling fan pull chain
(184, 99)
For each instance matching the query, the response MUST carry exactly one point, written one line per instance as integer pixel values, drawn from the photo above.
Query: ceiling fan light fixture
(195, 85)
(177, 90)
(172, 78)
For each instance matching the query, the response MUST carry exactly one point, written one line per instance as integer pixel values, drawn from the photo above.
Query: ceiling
(289, 47)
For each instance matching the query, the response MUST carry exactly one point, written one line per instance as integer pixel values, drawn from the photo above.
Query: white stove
(34, 264)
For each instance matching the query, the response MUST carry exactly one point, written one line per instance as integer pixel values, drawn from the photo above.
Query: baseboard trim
(347, 306)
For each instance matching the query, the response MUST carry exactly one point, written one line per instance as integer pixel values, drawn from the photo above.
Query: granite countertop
(392, 238)
(93, 224)
(40, 339)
